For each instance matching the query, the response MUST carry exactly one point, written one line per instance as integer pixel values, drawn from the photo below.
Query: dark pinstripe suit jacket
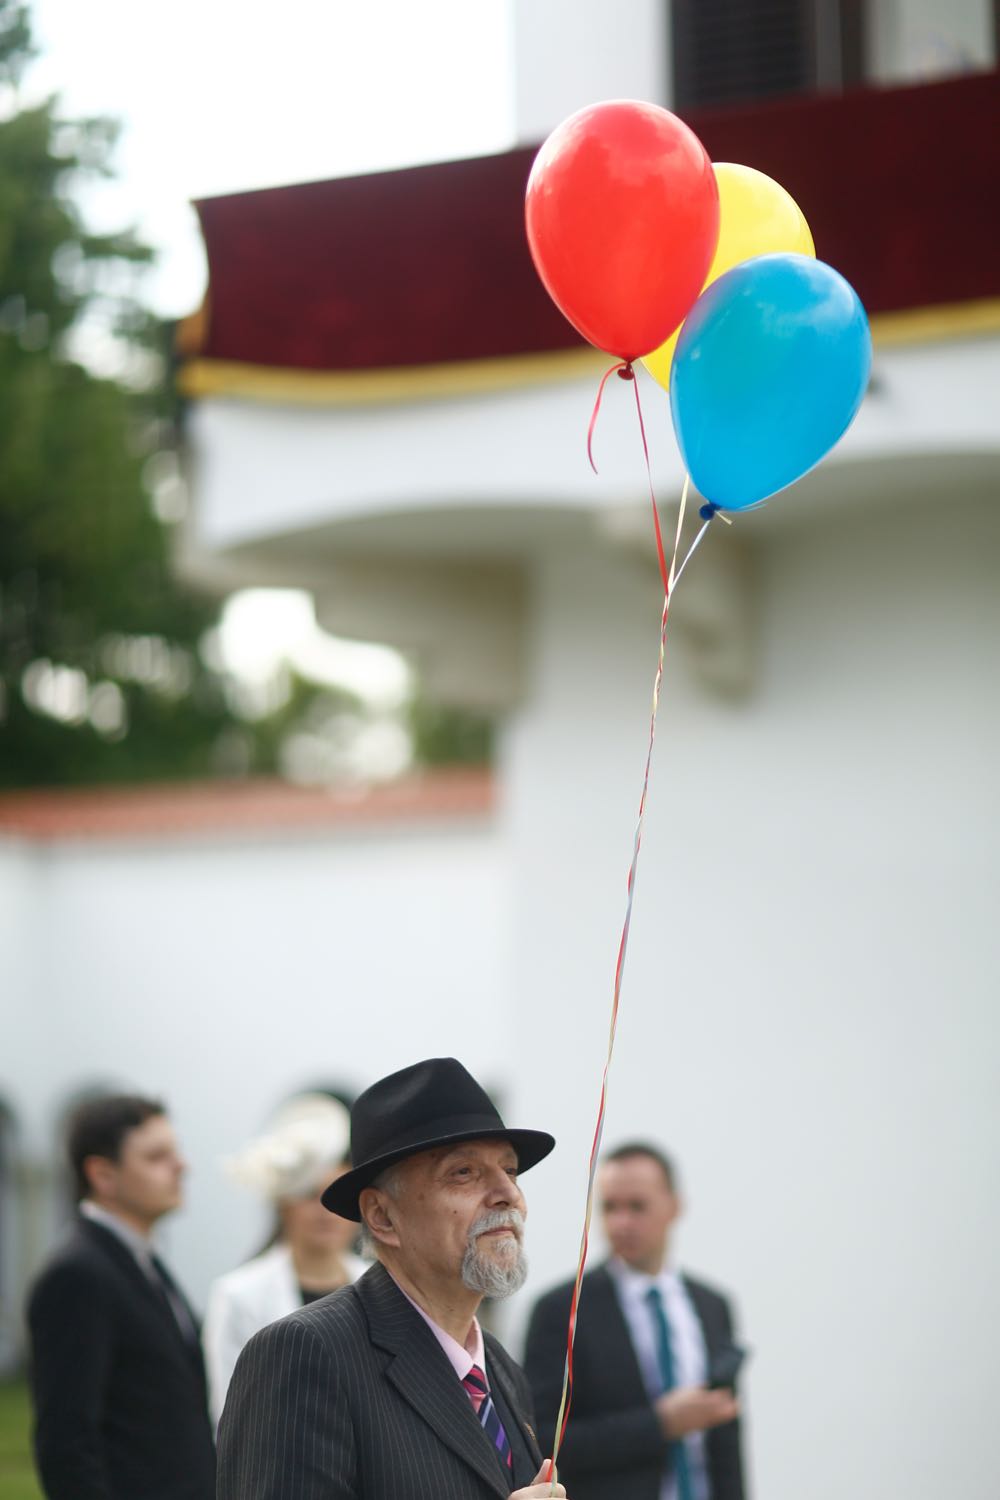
(353, 1398)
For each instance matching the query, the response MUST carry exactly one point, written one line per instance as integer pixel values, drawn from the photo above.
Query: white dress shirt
(139, 1244)
(687, 1345)
(461, 1357)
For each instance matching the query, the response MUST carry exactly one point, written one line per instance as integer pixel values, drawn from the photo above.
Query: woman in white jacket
(309, 1256)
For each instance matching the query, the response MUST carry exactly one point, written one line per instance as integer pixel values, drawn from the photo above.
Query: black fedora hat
(428, 1104)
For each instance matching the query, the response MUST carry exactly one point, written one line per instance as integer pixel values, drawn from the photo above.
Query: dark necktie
(665, 1360)
(165, 1284)
(482, 1401)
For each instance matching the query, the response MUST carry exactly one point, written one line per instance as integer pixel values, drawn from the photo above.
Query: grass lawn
(17, 1477)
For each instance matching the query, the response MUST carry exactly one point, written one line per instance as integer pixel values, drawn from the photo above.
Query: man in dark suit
(643, 1422)
(389, 1389)
(118, 1386)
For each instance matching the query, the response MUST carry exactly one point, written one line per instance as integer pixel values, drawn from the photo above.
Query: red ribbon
(624, 369)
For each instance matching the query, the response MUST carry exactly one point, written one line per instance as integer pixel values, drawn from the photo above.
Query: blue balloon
(770, 368)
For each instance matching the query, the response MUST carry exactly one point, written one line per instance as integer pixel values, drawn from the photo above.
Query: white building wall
(267, 471)
(808, 1001)
(17, 930)
(225, 974)
(22, 1031)
(809, 1008)
(24, 953)
(571, 53)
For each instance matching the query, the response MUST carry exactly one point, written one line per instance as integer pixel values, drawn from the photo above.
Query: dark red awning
(430, 265)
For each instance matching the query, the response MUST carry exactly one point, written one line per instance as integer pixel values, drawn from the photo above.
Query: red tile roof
(240, 807)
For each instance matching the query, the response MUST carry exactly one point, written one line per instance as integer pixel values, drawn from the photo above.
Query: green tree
(447, 736)
(100, 673)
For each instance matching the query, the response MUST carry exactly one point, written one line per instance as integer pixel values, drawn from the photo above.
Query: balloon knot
(708, 510)
(625, 371)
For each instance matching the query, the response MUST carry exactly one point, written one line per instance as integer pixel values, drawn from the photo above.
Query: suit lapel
(421, 1373)
(705, 1310)
(600, 1305)
(126, 1262)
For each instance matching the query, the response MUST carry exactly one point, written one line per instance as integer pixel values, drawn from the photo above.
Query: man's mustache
(499, 1218)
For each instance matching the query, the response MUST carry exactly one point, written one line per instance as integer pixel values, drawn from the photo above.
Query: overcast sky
(217, 96)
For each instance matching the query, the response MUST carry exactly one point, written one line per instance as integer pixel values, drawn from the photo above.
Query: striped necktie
(482, 1402)
(665, 1359)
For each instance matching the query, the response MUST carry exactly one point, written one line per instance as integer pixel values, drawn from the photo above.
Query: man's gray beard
(493, 1275)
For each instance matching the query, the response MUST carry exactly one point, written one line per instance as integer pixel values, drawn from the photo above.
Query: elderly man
(389, 1389)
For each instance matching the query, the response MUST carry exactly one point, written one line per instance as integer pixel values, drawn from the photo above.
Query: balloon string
(671, 578)
(694, 547)
(620, 367)
(624, 369)
(667, 577)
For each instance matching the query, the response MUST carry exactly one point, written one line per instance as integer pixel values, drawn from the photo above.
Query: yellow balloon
(756, 217)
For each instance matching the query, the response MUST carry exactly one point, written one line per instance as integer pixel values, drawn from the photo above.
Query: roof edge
(202, 378)
(253, 806)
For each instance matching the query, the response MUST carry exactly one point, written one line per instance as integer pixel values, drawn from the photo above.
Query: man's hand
(694, 1409)
(541, 1486)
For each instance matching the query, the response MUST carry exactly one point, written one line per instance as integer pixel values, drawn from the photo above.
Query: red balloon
(622, 212)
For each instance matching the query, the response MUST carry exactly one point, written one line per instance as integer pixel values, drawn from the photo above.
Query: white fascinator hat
(306, 1140)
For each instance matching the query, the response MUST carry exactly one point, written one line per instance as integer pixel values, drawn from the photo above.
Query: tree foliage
(102, 672)
(101, 677)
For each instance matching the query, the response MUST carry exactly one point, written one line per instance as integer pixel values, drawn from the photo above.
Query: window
(732, 51)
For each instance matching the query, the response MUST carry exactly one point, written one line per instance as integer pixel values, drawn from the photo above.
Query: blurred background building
(383, 408)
